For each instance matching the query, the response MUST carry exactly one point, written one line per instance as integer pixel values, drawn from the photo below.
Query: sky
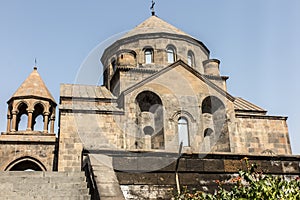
(257, 42)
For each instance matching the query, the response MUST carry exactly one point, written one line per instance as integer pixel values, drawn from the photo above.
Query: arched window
(23, 122)
(22, 117)
(208, 142)
(148, 56)
(183, 132)
(38, 120)
(191, 59)
(208, 132)
(171, 54)
(39, 123)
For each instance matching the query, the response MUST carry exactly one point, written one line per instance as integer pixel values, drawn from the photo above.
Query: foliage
(250, 184)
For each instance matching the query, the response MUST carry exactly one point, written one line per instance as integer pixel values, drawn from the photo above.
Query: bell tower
(30, 101)
(29, 139)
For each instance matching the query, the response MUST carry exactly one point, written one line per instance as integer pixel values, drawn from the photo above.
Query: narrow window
(38, 118)
(190, 59)
(171, 54)
(183, 133)
(22, 118)
(148, 56)
(113, 64)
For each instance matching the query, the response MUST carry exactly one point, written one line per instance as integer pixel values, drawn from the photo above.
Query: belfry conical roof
(154, 25)
(33, 86)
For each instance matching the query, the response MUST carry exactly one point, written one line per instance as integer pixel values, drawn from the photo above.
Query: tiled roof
(242, 104)
(33, 86)
(85, 91)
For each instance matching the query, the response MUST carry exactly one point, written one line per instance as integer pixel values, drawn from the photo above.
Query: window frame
(148, 52)
(183, 131)
(191, 61)
(171, 54)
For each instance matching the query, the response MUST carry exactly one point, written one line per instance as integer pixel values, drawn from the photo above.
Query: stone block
(213, 165)
(290, 167)
(232, 165)
(194, 165)
(125, 163)
(139, 178)
(154, 163)
(166, 178)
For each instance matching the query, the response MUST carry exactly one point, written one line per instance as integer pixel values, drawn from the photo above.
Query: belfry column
(8, 122)
(52, 124)
(14, 121)
(52, 120)
(46, 121)
(29, 124)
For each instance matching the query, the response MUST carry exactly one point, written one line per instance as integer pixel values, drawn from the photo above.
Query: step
(43, 185)
(41, 174)
(37, 186)
(27, 197)
(41, 180)
(46, 192)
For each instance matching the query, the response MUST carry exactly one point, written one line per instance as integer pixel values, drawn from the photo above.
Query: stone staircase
(20, 185)
(105, 177)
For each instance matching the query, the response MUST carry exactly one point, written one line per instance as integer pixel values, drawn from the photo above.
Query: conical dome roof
(33, 86)
(154, 25)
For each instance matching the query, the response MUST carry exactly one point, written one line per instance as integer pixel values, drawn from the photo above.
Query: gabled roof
(187, 67)
(88, 96)
(241, 104)
(85, 91)
(33, 86)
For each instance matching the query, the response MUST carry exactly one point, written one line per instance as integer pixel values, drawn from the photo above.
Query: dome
(150, 33)
(154, 25)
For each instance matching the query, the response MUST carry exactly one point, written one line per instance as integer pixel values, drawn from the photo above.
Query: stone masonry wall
(179, 99)
(159, 46)
(266, 135)
(70, 146)
(138, 181)
(41, 152)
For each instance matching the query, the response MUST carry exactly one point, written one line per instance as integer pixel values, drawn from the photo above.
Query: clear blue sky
(257, 41)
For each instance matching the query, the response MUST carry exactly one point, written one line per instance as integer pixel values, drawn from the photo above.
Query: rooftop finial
(35, 64)
(152, 8)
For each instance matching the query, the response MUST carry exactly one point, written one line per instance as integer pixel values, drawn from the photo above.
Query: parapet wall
(138, 180)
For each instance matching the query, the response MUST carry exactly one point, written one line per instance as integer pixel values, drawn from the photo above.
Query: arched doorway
(26, 164)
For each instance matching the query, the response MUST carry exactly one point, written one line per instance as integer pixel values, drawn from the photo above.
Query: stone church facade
(162, 95)
(159, 82)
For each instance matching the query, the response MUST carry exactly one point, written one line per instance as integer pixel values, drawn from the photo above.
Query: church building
(163, 112)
